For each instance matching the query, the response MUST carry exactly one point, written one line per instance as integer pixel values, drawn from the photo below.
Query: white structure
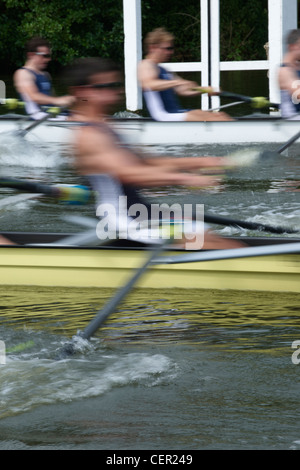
(282, 18)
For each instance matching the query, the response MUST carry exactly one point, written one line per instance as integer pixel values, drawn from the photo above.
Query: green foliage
(95, 28)
(244, 29)
(182, 21)
(74, 28)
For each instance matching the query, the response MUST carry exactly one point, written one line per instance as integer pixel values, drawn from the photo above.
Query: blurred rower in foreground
(117, 173)
(160, 87)
(34, 84)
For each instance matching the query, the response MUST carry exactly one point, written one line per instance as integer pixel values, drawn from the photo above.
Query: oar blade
(249, 157)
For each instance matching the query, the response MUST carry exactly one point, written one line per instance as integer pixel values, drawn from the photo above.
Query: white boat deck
(147, 132)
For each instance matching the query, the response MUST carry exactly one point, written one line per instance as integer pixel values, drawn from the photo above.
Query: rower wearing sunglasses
(34, 83)
(160, 87)
(117, 173)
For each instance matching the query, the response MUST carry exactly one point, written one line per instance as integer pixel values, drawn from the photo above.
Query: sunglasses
(44, 54)
(107, 85)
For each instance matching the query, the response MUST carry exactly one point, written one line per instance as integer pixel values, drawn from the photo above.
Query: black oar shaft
(289, 142)
(70, 348)
(28, 186)
(213, 219)
(69, 194)
(246, 99)
(51, 113)
(229, 95)
(110, 307)
(32, 126)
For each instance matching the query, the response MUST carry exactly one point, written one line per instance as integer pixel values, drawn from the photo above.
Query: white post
(210, 49)
(133, 52)
(204, 51)
(282, 18)
(215, 48)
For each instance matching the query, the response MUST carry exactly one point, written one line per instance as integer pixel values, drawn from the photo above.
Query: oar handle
(13, 103)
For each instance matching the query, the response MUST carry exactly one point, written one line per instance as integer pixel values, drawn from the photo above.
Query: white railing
(282, 16)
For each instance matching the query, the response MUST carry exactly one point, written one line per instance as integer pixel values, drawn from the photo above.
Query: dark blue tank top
(42, 82)
(168, 97)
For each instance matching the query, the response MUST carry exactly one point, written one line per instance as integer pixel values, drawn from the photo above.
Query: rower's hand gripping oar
(70, 348)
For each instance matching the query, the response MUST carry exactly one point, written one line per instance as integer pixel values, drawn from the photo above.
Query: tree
(74, 28)
(95, 28)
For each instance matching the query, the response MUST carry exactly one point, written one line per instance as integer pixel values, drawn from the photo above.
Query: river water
(184, 370)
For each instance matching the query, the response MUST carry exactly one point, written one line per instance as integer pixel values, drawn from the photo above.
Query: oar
(50, 113)
(214, 219)
(288, 143)
(276, 153)
(13, 103)
(110, 307)
(71, 194)
(256, 101)
(231, 253)
(288, 248)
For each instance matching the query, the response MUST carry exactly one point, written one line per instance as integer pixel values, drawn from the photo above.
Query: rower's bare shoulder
(91, 139)
(146, 67)
(22, 76)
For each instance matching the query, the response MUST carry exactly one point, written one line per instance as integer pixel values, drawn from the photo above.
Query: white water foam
(26, 384)
(18, 151)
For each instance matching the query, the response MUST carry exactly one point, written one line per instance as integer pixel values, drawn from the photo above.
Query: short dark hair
(79, 73)
(293, 36)
(33, 44)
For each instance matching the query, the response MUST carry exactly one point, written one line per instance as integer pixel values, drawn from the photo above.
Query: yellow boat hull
(87, 267)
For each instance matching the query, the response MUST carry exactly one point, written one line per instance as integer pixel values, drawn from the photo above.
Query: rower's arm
(189, 163)
(148, 78)
(97, 153)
